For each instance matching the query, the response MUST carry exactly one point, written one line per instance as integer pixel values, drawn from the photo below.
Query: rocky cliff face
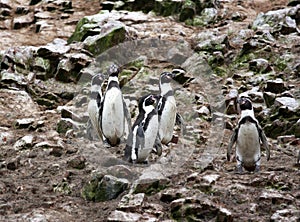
(54, 168)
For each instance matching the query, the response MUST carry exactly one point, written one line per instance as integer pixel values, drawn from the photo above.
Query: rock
(24, 142)
(239, 39)
(203, 111)
(131, 202)
(103, 188)
(296, 127)
(24, 123)
(78, 162)
(231, 102)
(54, 50)
(41, 65)
(286, 101)
(275, 86)
(199, 207)
(260, 65)
(188, 10)
(111, 34)
(120, 216)
(285, 139)
(276, 21)
(167, 8)
(150, 182)
(289, 214)
(64, 125)
(208, 16)
(23, 21)
(215, 43)
(121, 171)
(274, 198)
(269, 98)
(173, 194)
(276, 128)
(9, 78)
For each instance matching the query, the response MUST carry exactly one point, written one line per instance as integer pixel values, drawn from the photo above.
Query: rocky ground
(54, 169)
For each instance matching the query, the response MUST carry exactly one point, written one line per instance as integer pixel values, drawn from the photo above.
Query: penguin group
(153, 126)
(247, 135)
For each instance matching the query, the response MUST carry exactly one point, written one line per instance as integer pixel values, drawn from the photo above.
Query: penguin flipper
(180, 122)
(231, 142)
(140, 137)
(127, 124)
(128, 148)
(264, 141)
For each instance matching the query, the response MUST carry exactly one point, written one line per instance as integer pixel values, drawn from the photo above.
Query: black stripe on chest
(249, 119)
(148, 118)
(162, 101)
(113, 84)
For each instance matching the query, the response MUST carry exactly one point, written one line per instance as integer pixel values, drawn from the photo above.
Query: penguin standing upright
(247, 136)
(95, 102)
(114, 116)
(166, 108)
(143, 136)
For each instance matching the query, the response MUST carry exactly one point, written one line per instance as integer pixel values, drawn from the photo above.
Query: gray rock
(150, 182)
(131, 202)
(54, 50)
(276, 21)
(285, 139)
(188, 11)
(207, 16)
(214, 43)
(275, 86)
(191, 207)
(167, 8)
(77, 162)
(203, 111)
(286, 101)
(103, 188)
(121, 171)
(239, 39)
(24, 123)
(120, 216)
(9, 78)
(290, 214)
(24, 142)
(275, 198)
(260, 65)
(23, 21)
(172, 194)
(111, 34)
(64, 125)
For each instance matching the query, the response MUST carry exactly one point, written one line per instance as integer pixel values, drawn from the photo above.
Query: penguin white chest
(151, 132)
(167, 120)
(113, 114)
(248, 146)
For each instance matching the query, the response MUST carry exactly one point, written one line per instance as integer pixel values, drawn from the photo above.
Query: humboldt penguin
(166, 108)
(144, 134)
(114, 117)
(247, 136)
(95, 103)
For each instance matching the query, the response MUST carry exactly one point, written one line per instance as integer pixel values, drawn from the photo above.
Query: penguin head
(97, 79)
(166, 77)
(146, 101)
(113, 70)
(245, 103)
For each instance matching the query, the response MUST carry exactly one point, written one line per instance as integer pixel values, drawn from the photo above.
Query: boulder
(103, 188)
(275, 86)
(131, 202)
(286, 101)
(111, 34)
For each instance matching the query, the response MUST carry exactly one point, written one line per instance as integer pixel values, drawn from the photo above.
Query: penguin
(95, 103)
(247, 136)
(166, 108)
(114, 117)
(143, 136)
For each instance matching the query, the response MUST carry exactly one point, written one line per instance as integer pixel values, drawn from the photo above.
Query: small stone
(131, 201)
(211, 178)
(24, 142)
(259, 65)
(203, 111)
(276, 198)
(120, 216)
(275, 86)
(24, 123)
(13, 164)
(77, 162)
(64, 125)
(56, 151)
(150, 182)
(173, 194)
